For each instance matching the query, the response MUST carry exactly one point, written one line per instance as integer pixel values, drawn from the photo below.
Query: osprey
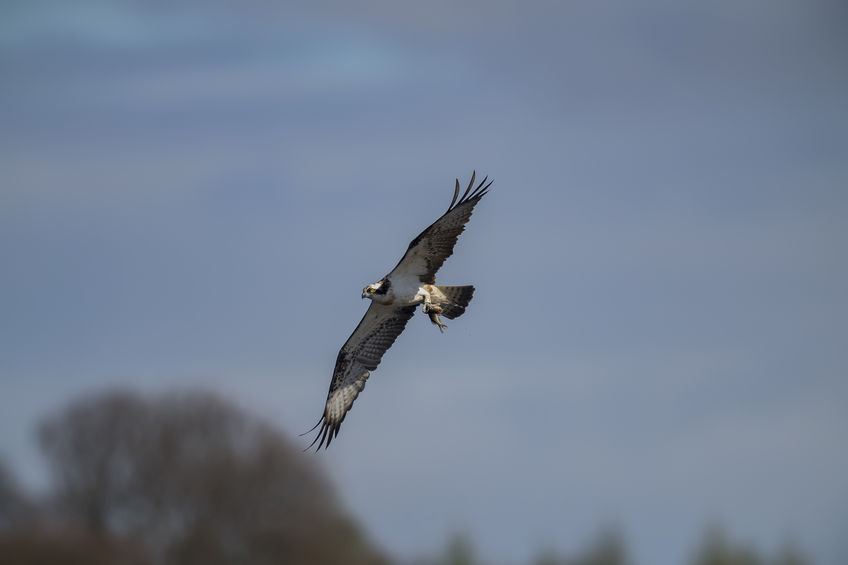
(393, 302)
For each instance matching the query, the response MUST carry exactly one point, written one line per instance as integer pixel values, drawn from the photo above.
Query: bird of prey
(393, 302)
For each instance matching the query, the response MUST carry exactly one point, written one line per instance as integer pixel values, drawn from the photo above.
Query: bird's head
(371, 289)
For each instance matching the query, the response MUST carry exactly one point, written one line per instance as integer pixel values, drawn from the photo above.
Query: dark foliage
(181, 479)
(189, 479)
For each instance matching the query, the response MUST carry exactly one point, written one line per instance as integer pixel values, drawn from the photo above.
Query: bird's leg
(427, 301)
(433, 312)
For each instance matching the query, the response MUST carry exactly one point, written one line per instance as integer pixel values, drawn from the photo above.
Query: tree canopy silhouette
(194, 480)
(191, 479)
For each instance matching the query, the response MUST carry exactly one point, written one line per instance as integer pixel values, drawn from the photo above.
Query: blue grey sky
(195, 193)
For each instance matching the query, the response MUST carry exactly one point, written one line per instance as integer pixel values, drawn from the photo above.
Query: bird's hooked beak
(364, 293)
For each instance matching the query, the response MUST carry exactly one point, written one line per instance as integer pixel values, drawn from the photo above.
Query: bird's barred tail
(459, 297)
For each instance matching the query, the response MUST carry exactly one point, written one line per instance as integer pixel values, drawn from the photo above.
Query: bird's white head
(372, 289)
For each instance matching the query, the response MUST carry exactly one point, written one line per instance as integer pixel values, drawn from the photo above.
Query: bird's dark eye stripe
(385, 284)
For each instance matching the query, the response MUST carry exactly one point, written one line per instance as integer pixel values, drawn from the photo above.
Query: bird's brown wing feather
(428, 251)
(360, 354)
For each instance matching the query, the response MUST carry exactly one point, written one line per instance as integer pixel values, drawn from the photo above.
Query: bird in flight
(393, 302)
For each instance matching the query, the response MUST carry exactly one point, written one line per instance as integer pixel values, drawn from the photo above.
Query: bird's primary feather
(428, 251)
(360, 354)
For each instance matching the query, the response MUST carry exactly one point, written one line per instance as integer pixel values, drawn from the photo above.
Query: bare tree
(197, 481)
(607, 548)
(717, 548)
(16, 510)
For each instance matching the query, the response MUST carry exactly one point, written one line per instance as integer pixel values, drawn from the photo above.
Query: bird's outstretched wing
(360, 354)
(428, 251)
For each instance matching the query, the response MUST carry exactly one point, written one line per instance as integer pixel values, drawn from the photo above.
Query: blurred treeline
(190, 479)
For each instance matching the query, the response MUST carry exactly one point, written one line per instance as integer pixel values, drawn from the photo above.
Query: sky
(195, 193)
